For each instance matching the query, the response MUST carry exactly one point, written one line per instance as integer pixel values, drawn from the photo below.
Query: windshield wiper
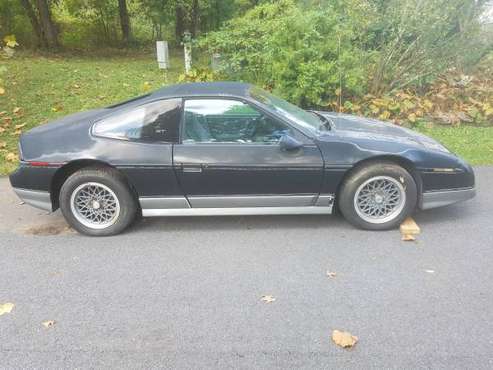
(326, 122)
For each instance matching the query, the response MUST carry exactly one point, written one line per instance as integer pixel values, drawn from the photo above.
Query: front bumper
(35, 198)
(434, 199)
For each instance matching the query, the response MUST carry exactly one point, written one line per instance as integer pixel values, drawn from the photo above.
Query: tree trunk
(179, 22)
(49, 30)
(195, 17)
(124, 21)
(41, 41)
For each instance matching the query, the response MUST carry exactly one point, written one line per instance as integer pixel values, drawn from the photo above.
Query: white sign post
(162, 54)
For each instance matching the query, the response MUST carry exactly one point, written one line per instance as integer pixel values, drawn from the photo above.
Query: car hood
(355, 127)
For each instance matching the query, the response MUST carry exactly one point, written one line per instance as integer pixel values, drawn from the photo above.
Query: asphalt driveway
(186, 292)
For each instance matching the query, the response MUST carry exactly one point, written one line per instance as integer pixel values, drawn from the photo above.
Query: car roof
(224, 88)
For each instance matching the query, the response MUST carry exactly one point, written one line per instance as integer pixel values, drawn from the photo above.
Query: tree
(124, 21)
(34, 23)
(44, 28)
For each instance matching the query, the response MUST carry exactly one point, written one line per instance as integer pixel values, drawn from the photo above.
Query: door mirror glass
(289, 143)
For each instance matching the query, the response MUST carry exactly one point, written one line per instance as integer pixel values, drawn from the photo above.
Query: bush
(339, 50)
(304, 55)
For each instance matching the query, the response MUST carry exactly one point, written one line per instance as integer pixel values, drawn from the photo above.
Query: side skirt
(239, 211)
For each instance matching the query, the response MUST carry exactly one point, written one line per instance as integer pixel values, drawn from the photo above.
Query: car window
(229, 121)
(154, 122)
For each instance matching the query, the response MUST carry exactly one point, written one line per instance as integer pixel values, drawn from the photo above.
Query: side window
(228, 121)
(154, 122)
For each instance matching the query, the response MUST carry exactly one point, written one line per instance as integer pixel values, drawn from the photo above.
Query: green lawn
(45, 88)
(475, 144)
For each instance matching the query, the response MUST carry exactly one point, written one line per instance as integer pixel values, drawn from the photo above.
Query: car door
(230, 156)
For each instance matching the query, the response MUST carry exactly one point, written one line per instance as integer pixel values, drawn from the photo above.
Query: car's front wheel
(97, 202)
(378, 196)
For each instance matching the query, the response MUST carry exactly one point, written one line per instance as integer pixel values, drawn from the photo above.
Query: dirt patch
(48, 229)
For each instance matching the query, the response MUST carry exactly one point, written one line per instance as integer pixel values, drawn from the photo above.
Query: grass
(45, 88)
(474, 144)
(48, 87)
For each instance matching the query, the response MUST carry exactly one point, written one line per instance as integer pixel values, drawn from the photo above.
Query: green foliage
(199, 75)
(313, 52)
(304, 55)
(418, 40)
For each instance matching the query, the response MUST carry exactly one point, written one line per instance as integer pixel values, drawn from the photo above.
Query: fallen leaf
(3, 144)
(76, 86)
(7, 120)
(2, 130)
(344, 339)
(6, 308)
(267, 298)
(2, 91)
(16, 110)
(48, 323)
(12, 157)
(2, 113)
(18, 127)
(331, 274)
(409, 228)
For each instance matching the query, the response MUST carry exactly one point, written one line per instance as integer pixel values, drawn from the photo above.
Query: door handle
(191, 168)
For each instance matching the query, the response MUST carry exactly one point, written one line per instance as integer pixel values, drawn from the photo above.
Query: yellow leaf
(18, 127)
(2, 91)
(16, 110)
(344, 339)
(338, 92)
(11, 157)
(48, 323)
(10, 41)
(428, 104)
(3, 144)
(374, 109)
(147, 86)
(6, 308)
(412, 117)
(57, 108)
(267, 298)
(385, 115)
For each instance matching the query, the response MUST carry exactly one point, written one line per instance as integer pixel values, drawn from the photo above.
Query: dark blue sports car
(227, 148)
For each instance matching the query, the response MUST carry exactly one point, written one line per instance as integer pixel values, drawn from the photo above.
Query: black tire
(372, 172)
(109, 179)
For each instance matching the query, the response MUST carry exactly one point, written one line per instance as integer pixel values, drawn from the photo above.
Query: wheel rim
(95, 205)
(380, 199)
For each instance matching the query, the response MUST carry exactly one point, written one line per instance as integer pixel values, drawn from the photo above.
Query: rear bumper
(35, 198)
(434, 199)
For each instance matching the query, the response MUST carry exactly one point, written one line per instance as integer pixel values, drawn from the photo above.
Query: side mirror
(289, 143)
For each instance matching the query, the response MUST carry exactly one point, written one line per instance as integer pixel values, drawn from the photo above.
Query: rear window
(158, 121)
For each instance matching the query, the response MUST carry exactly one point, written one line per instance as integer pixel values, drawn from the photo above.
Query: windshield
(299, 116)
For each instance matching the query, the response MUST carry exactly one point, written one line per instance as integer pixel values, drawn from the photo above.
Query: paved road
(185, 293)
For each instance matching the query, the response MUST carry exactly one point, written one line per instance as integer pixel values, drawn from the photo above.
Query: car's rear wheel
(378, 196)
(97, 202)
